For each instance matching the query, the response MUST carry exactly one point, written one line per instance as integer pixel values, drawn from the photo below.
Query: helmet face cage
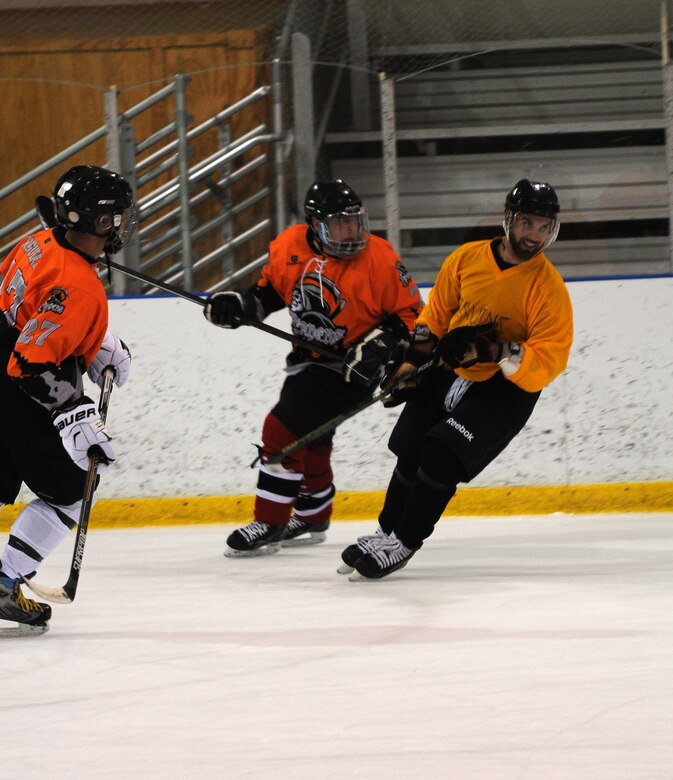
(97, 202)
(336, 225)
(123, 225)
(343, 224)
(536, 198)
(510, 217)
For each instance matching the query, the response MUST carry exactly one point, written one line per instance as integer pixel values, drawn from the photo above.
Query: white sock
(40, 527)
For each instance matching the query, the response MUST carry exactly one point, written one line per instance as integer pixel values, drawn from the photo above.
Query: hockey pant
(434, 454)
(303, 482)
(36, 532)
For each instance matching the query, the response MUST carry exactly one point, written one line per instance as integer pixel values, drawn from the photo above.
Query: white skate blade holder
(313, 537)
(21, 630)
(267, 549)
(355, 576)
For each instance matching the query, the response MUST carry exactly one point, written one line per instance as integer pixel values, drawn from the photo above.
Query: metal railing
(163, 246)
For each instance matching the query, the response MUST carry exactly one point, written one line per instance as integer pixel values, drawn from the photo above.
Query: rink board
(483, 502)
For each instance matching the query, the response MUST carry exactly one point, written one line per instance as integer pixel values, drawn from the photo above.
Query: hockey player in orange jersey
(53, 327)
(499, 320)
(346, 291)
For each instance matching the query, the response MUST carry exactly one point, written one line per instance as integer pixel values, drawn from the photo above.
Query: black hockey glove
(403, 389)
(232, 308)
(401, 379)
(366, 361)
(470, 344)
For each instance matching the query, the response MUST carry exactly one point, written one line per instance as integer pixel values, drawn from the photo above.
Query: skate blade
(304, 541)
(22, 629)
(344, 568)
(267, 549)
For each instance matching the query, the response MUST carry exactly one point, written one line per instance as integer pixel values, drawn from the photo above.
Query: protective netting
(57, 59)
(426, 32)
(31, 20)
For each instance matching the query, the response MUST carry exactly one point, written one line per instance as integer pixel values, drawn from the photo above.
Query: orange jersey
(529, 303)
(335, 302)
(54, 298)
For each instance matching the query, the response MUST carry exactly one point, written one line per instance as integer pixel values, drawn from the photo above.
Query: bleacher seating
(567, 96)
(613, 191)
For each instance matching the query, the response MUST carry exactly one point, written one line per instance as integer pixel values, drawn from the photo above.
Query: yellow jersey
(529, 303)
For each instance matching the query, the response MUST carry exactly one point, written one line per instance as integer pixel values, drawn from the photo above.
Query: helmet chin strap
(506, 225)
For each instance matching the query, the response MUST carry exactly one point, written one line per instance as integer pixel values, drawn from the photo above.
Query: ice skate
(32, 617)
(256, 538)
(352, 554)
(387, 555)
(300, 533)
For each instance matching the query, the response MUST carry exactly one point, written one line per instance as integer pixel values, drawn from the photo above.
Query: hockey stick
(66, 594)
(330, 425)
(44, 207)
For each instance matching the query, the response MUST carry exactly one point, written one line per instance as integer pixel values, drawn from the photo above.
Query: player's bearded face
(528, 234)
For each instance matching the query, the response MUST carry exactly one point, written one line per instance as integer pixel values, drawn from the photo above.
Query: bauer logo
(460, 428)
(69, 419)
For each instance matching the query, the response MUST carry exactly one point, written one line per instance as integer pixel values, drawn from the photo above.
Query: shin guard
(36, 532)
(314, 504)
(278, 484)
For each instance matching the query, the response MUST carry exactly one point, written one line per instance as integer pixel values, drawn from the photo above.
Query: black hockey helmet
(533, 197)
(98, 202)
(331, 202)
(536, 198)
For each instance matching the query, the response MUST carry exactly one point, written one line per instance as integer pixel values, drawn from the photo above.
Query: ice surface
(530, 647)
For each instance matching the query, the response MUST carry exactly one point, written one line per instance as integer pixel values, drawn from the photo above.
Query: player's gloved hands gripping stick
(83, 434)
(366, 361)
(113, 354)
(232, 308)
(463, 347)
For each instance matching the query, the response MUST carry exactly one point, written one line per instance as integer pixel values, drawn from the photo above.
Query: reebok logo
(460, 428)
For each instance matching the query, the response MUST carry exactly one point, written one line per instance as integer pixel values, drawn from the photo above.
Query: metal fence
(163, 246)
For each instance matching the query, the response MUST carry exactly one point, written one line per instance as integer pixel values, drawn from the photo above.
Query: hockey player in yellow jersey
(499, 325)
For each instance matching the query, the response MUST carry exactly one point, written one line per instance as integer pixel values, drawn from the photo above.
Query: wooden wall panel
(51, 115)
(52, 94)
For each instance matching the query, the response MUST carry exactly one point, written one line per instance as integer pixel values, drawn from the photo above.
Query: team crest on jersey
(314, 304)
(56, 301)
(405, 276)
